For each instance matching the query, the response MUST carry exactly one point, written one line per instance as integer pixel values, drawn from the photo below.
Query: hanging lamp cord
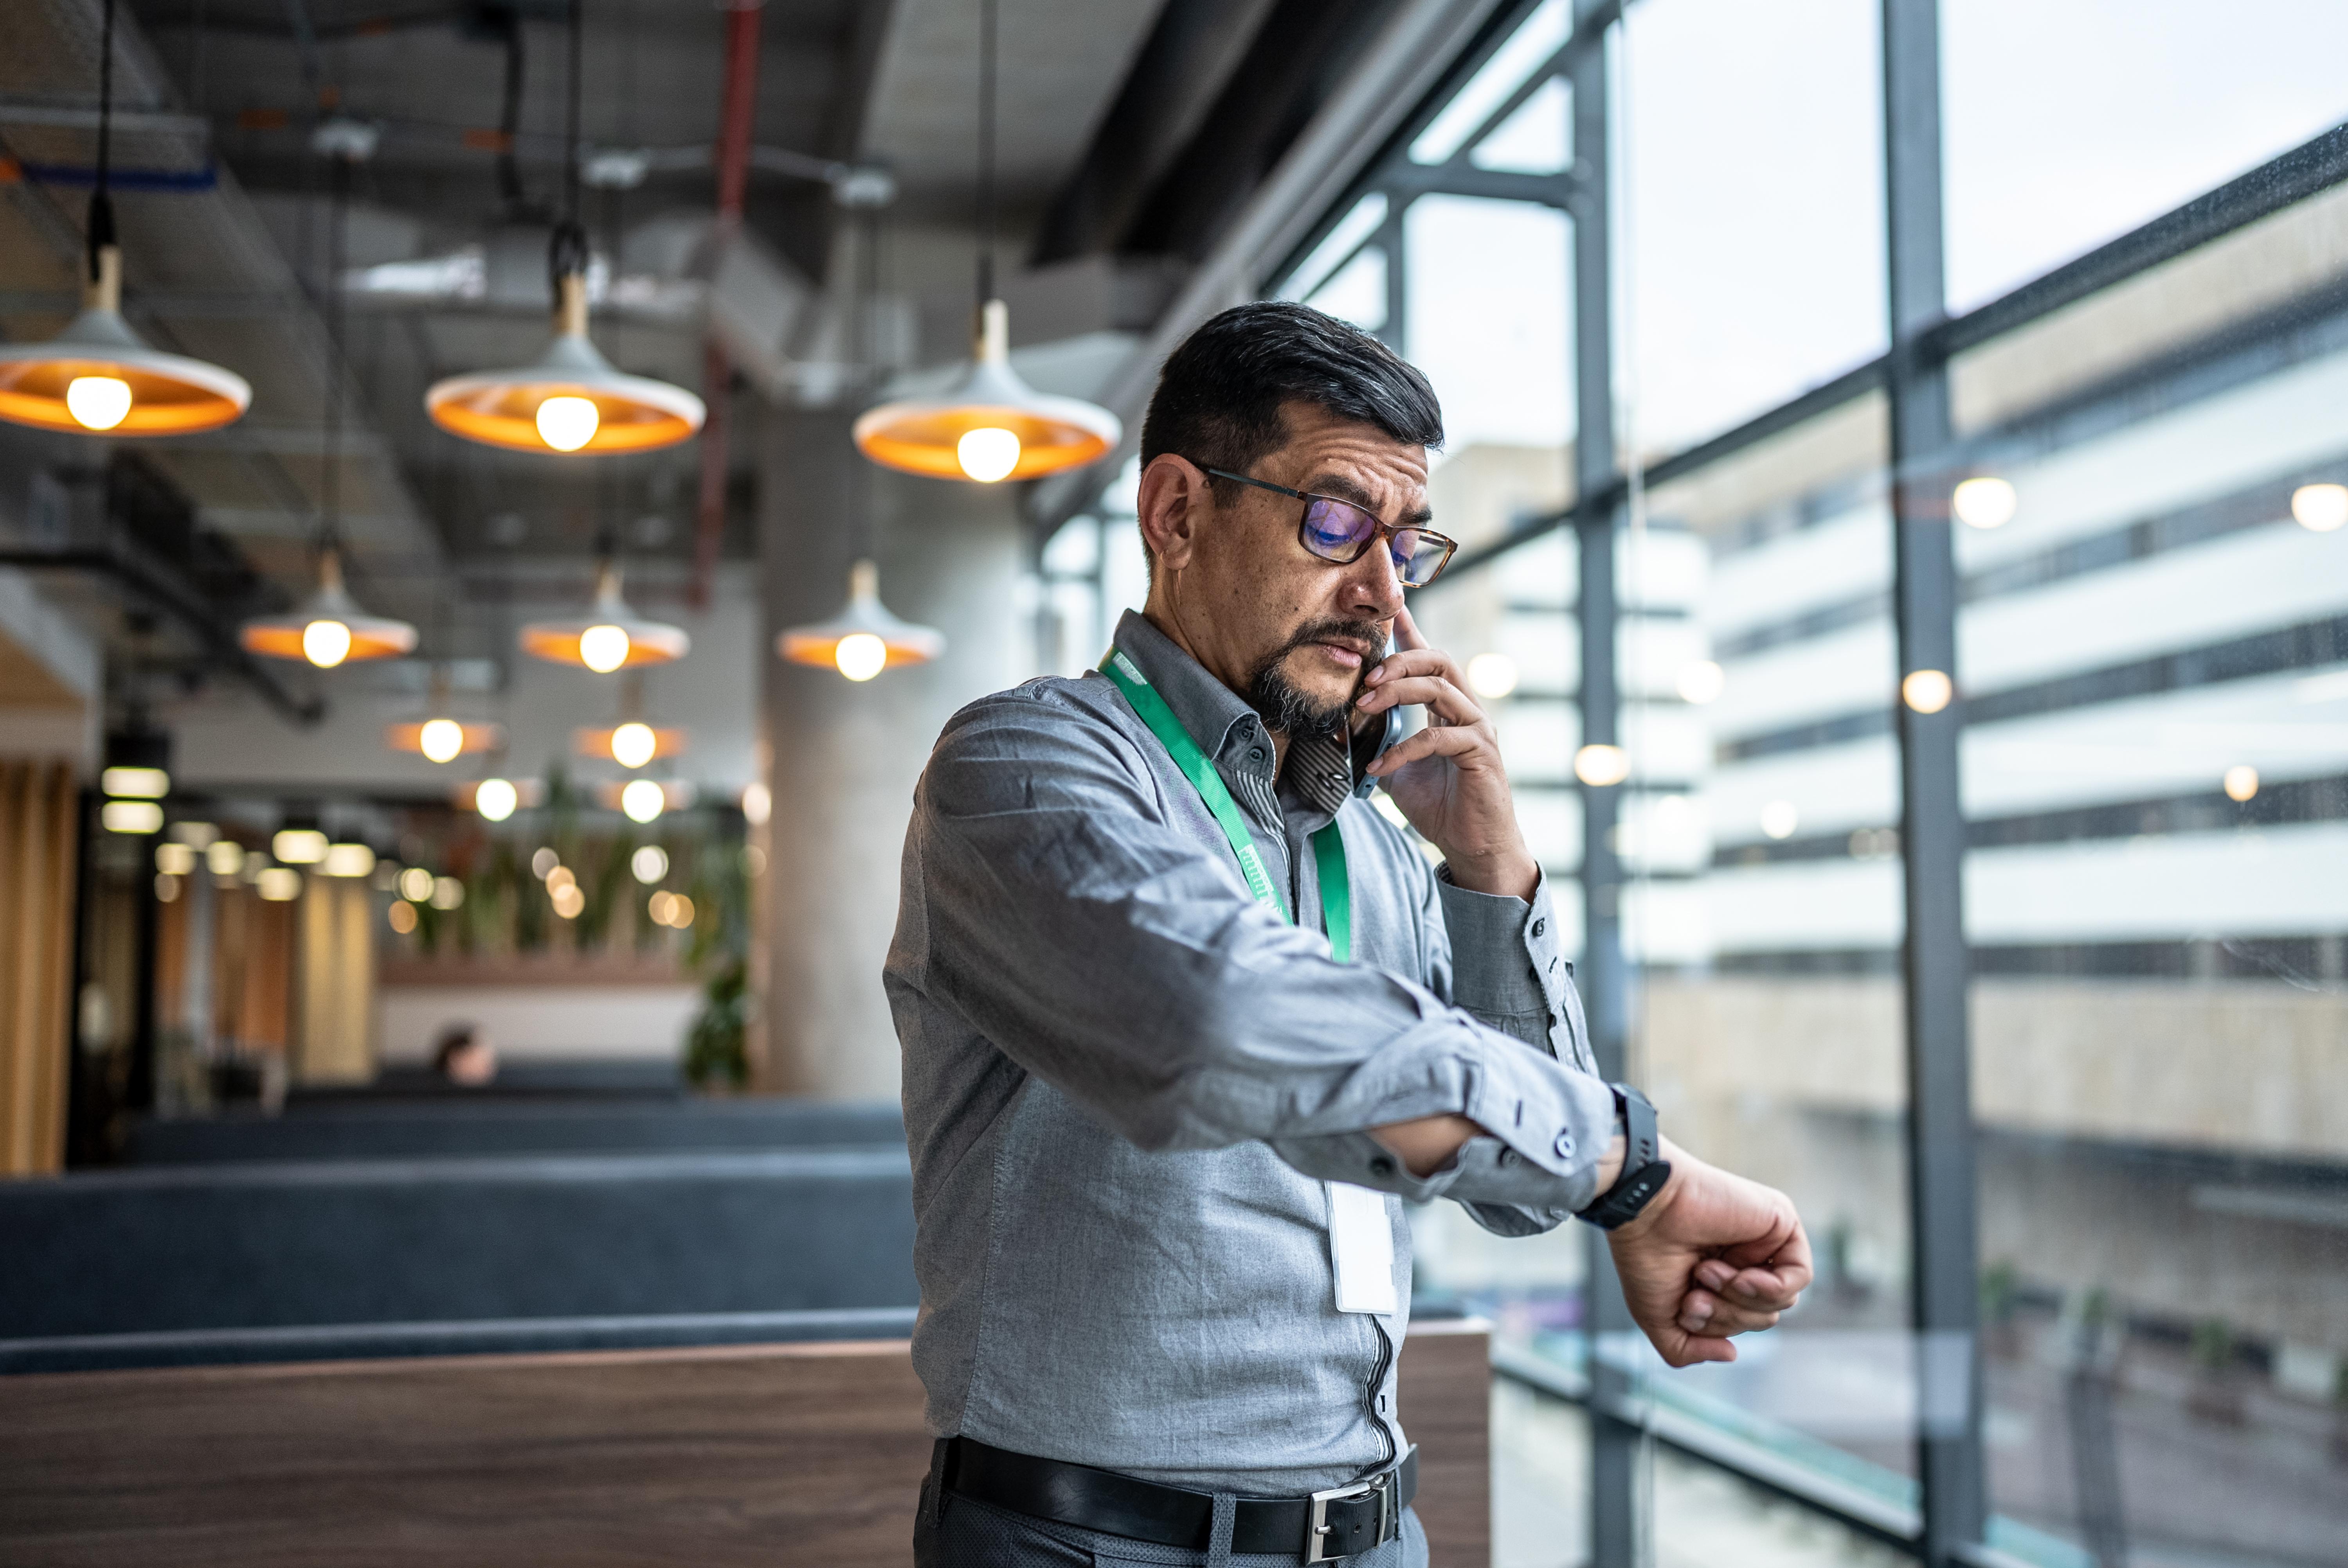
(987, 20)
(331, 480)
(567, 254)
(101, 205)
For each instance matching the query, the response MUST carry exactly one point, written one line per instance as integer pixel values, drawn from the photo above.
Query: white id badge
(1361, 1244)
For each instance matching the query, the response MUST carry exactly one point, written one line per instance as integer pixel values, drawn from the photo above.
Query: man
(1183, 1014)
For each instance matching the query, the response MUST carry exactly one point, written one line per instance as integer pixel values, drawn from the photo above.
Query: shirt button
(1564, 1145)
(1540, 925)
(1508, 1158)
(1255, 754)
(1381, 1166)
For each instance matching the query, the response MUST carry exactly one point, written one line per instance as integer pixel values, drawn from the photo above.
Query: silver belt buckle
(1317, 1540)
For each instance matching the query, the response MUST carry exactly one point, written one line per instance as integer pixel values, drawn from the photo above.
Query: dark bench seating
(393, 1129)
(748, 1455)
(315, 1244)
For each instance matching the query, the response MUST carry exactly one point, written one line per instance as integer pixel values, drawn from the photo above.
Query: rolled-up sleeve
(1066, 918)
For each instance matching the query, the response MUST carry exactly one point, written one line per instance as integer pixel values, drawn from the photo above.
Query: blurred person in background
(465, 1056)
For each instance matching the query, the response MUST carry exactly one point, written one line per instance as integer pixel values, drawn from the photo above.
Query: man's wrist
(1508, 874)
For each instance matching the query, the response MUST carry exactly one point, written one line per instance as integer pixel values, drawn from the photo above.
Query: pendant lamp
(329, 629)
(990, 426)
(864, 638)
(571, 399)
(609, 636)
(439, 738)
(97, 378)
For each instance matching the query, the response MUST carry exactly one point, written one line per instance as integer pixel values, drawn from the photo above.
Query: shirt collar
(1219, 720)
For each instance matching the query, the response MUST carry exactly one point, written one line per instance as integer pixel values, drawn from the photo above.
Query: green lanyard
(1328, 845)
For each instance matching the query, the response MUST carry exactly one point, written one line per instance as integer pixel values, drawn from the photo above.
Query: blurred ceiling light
(632, 745)
(279, 884)
(864, 638)
(495, 799)
(2321, 508)
(416, 885)
(643, 799)
(1779, 819)
(224, 858)
(97, 375)
(657, 906)
(544, 862)
(328, 628)
(174, 859)
(649, 863)
(444, 740)
(1602, 765)
(758, 803)
(448, 893)
(1985, 502)
(569, 902)
(195, 834)
(347, 860)
(571, 399)
(1492, 674)
(131, 816)
(991, 424)
(299, 845)
(150, 783)
(674, 911)
(1927, 690)
(1700, 682)
(559, 877)
(610, 636)
(2241, 782)
(402, 916)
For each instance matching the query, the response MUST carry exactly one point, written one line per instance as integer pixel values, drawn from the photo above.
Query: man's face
(1293, 632)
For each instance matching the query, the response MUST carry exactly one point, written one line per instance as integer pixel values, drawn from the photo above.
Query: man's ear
(1175, 499)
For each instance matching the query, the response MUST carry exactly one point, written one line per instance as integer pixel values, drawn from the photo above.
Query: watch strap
(1644, 1171)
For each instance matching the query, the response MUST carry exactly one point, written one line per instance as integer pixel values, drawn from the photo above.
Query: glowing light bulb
(1600, 765)
(567, 424)
(495, 799)
(441, 739)
(632, 744)
(1987, 502)
(416, 885)
(603, 649)
(643, 799)
(860, 655)
(1702, 682)
(325, 643)
(2241, 782)
(988, 452)
(649, 863)
(98, 402)
(2321, 508)
(1927, 690)
(1779, 818)
(1492, 674)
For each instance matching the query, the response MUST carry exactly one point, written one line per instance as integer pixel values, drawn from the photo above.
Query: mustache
(1367, 637)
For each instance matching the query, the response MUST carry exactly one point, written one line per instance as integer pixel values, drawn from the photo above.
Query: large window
(2150, 547)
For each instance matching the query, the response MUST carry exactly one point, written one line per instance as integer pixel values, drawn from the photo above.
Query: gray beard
(1287, 711)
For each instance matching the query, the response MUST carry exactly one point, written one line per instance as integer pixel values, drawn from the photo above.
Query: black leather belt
(1321, 1528)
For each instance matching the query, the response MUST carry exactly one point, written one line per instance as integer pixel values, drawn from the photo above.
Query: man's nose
(1373, 587)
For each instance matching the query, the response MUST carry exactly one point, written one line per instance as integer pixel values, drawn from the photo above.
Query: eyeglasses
(1340, 531)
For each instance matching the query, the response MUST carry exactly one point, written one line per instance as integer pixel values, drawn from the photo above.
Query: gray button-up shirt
(1127, 1083)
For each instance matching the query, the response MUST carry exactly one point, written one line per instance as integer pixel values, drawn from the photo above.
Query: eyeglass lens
(1337, 531)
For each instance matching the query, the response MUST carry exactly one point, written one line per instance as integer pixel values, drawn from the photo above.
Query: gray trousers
(953, 1532)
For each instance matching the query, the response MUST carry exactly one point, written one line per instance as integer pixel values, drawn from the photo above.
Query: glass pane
(1536, 140)
(1527, 50)
(1358, 291)
(1344, 238)
(2154, 650)
(1754, 210)
(2070, 122)
(1489, 284)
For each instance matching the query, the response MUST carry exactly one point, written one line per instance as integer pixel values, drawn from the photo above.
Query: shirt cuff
(1506, 963)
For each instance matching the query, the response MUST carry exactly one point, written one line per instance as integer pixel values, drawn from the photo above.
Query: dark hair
(457, 1037)
(1220, 394)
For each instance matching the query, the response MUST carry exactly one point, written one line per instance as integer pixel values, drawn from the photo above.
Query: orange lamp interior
(926, 441)
(505, 413)
(33, 392)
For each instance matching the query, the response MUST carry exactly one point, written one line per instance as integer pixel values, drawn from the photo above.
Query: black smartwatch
(1644, 1171)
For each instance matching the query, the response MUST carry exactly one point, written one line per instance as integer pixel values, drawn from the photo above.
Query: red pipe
(736, 118)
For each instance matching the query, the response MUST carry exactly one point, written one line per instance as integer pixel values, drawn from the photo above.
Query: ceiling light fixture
(610, 636)
(864, 639)
(441, 739)
(97, 378)
(990, 426)
(571, 399)
(329, 630)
